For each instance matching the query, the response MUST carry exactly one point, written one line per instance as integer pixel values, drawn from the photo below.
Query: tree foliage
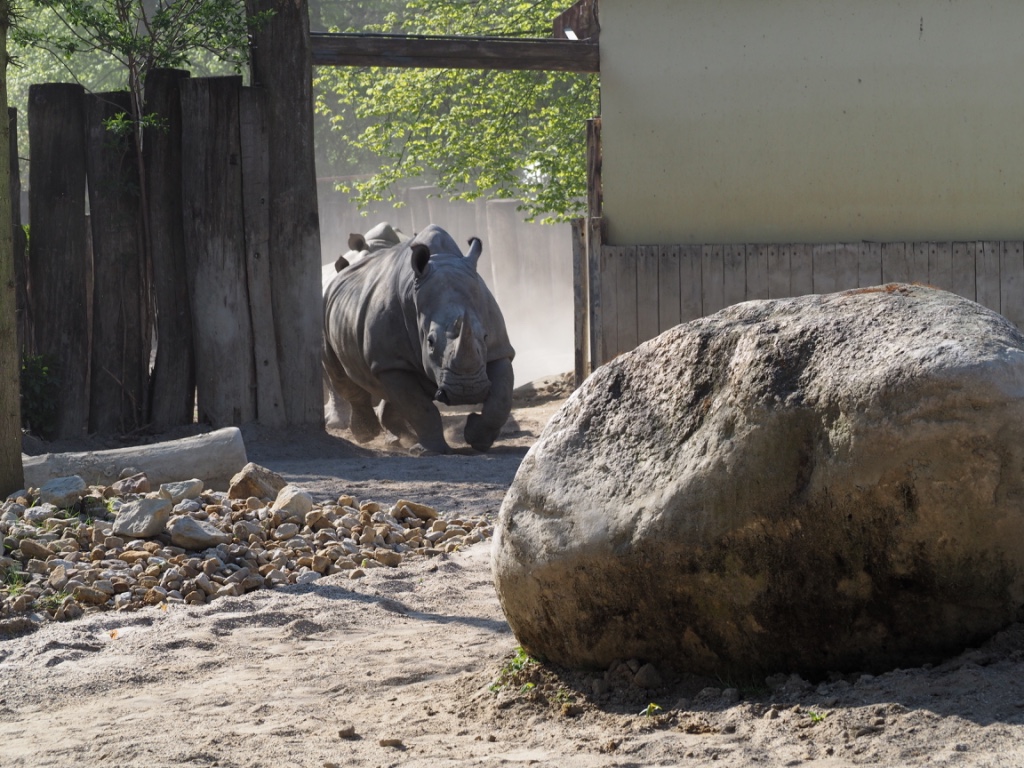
(472, 132)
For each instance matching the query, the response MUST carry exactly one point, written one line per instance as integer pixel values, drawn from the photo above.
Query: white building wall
(728, 121)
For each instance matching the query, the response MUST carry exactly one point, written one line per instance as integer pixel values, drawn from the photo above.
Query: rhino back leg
(482, 428)
(363, 421)
(409, 412)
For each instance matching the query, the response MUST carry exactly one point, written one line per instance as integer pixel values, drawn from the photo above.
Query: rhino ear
(420, 259)
(340, 263)
(356, 242)
(475, 249)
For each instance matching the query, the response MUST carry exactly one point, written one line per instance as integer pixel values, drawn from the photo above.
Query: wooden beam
(379, 50)
(580, 22)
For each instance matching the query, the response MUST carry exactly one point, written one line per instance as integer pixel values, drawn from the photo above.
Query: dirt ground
(415, 666)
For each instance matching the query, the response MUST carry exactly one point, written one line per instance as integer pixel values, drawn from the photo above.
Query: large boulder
(813, 484)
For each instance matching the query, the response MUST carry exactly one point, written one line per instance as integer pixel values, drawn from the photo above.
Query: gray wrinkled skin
(413, 324)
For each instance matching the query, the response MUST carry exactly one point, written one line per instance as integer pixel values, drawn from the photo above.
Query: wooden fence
(155, 321)
(629, 294)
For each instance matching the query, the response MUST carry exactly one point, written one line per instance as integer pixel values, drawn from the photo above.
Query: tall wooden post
(174, 375)
(18, 235)
(215, 250)
(58, 255)
(11, 475)
(282, 66)
(121, 336)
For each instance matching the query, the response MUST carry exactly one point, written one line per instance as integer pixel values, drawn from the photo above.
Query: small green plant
(527, 687)
(817, 717)
(40, 394)
(519, 660)
(650, 710)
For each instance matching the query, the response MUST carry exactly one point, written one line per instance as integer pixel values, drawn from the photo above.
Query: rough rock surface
(814, 484)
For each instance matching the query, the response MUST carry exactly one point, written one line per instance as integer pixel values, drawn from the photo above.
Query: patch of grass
(650, 710)
(817, 717)
(14, 581)
(52, 602)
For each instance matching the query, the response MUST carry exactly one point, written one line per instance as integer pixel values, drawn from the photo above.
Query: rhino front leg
(482, 428)
(362, 420)
(408, 410)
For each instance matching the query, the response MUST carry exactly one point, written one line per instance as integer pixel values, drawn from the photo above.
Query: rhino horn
(475, 249)
(465, 357)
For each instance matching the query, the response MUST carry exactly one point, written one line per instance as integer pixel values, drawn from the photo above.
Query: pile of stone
(69, 548)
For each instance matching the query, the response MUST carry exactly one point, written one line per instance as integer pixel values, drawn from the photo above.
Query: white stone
(181, 490)
(142, 518)
(195, 535)
(63, 492)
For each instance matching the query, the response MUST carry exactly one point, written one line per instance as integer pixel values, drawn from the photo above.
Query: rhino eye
(430, 341)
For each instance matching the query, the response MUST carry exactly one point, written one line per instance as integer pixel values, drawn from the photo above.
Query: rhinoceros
(412, 325)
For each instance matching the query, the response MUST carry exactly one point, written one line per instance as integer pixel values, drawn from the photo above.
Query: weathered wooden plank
(987, 277)
(58, 255)
(595, 160)
(610, 263)
(421, 51)
(734, 286)
(626, 300)
(280, 64)
(580, 20)
(757, 271)
(778, 271)
(580, 300)
(940, 265)
(917, 260)
(895, 267)
(255, 200)
(1011, 281)
(801, 262)
(713, 278)
(121, 341)
(691, 286)
(648, 319)
(962, 270)
(669, 287)
(847, 265)
(215, 248)
(174, 373)
(824, 267)
(869, 265)
(595, 306)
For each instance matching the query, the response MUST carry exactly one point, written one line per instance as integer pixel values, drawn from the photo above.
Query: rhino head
(453, 338)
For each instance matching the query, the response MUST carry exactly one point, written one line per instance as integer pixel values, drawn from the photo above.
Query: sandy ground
(415, 666)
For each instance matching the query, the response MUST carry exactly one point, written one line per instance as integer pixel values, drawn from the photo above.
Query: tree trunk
(281, 65)
(11, 477)
(58, 256)
(121, 328)
(215, 250)
(174, 375)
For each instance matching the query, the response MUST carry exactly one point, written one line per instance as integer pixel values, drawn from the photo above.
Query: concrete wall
(743, 121)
